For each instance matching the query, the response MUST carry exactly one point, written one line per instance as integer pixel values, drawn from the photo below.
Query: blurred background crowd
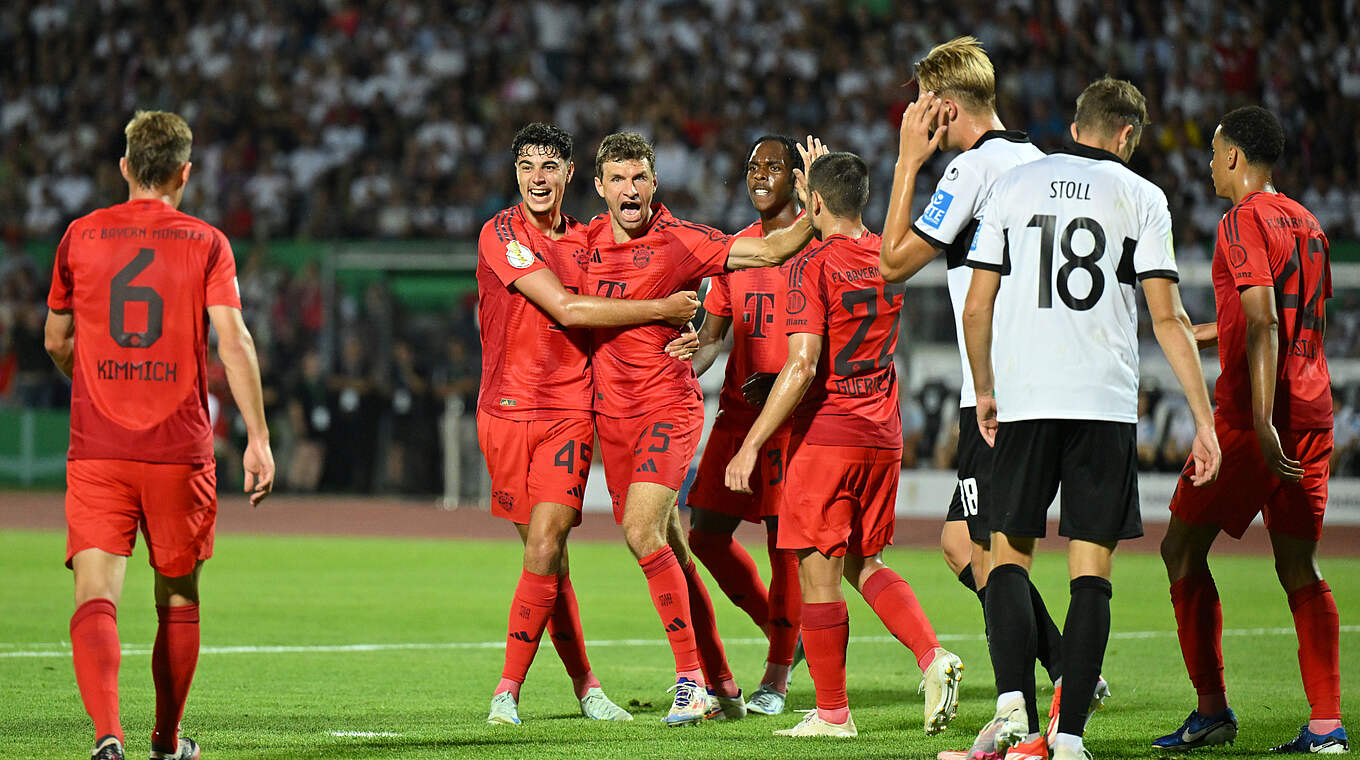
(345, 120)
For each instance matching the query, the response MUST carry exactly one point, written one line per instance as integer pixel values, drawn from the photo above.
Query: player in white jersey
(957, 111)
(1062, 244)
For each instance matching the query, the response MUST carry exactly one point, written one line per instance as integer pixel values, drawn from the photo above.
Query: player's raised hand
(813, 150)
(986, 418)
(1277, 462)
(683, 347)
(680, 307)
(738, 475)
(258, 463)
(924, 125)
(1207, 456)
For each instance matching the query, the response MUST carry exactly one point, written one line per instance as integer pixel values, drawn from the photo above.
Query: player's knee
(1296, 571)
(643, 539)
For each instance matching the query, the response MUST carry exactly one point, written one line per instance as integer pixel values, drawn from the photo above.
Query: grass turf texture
(309, 592)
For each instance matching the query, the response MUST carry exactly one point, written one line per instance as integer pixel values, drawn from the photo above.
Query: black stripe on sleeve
(933, 241)
(1162, 274)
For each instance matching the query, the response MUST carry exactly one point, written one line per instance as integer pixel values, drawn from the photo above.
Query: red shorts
(535, 461)
(840, 499)
(655, 447)
(1245, 487)
(174, 504)
(709, 489)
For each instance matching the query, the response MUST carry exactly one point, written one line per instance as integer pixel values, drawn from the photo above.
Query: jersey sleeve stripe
(934, 242)
(1230, 225)
(1163, 274)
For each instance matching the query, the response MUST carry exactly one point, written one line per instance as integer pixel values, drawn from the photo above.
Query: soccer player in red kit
(841, 487)
(1272, 277)
(758, 351)
(648, 406)
(534, 407)
(134, 288)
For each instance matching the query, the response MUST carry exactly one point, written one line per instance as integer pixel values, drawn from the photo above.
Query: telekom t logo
(759, 314)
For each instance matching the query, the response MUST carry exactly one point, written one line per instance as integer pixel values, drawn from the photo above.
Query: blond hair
(158, 144)
(1107, 105)
(961, 70)
(624, 146)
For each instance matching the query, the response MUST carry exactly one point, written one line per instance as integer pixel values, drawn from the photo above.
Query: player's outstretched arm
(572, 310)
(977, 337)
(711, 337)
(236, 349)
(794, 379)
(1174, 333)
(904, 252)
(59, 338)
(1263, 346)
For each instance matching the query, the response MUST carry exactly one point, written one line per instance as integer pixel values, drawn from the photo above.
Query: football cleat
(1333, 743)
(940, 684)
(813, 725)
(690, 705)
(1101, 694)
(766, 701)
(1199, 731)
(1064, 752)
(726, 708)
(504, 710)
(187, 750)
(1034, 749)
(107, 748)
(596, 706)
(1010, 720)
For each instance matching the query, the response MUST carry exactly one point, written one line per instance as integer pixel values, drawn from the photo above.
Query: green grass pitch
(297, 687)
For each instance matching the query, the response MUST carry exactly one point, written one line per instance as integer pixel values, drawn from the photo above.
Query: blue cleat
(1199, 731)
(1333, 743)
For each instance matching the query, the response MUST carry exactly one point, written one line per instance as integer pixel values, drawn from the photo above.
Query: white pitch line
(363, 734)
(65, 648)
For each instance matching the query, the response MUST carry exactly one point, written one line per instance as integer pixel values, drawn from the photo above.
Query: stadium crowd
(329, 119)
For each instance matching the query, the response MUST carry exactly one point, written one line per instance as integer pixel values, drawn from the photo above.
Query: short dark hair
(624, 146)
(1256, 132)
(158, 144)
(542, 136)
(795, 158)
(1107, 105)
(843, 181)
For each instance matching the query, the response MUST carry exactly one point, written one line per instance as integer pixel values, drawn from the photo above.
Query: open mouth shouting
(630, 211)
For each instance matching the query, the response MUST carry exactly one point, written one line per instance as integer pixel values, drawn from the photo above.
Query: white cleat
(1010, 726)
(766, 701)
(504, 710)
(813, 725)
(597, 706)
(690, 705)
(1065, 752)
(726, 708)
(940, 684)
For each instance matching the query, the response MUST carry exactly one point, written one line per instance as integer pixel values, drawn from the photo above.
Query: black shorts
(973, 491)
(1095, 461)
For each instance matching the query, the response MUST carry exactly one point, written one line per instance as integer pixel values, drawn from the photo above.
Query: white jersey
(951, 220)
(1071, 234)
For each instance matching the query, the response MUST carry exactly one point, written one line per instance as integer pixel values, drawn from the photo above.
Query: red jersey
(532, 367)
(138, 278)
(836, 291)
(758, 340)
(633, 374)
(1269, 239)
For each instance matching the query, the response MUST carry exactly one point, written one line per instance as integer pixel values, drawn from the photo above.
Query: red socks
(172, 669)
(786, 614)
(826, 633)
(895, 604)
(535, 597)
(1199, 626)
(734, 570)
(95, 650)
(1318, 627)
(670, 595)
(564, 628)
(711, 655)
